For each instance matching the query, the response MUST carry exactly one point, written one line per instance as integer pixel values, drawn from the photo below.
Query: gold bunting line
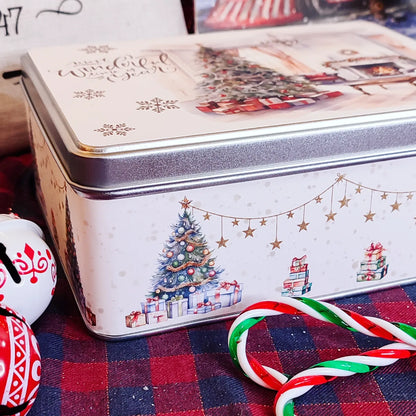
(303, 226)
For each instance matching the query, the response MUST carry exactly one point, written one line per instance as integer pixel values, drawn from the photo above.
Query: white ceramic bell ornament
(27, 267)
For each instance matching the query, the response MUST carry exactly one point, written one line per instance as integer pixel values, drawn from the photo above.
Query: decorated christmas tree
(231, 83)
(231, 76)
(186, 264)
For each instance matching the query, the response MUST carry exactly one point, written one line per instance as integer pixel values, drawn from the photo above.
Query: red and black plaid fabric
(189, 372)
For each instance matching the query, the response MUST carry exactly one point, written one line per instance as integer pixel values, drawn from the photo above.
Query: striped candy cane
(402, 335)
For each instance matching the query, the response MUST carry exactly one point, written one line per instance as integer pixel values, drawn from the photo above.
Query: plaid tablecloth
(189, 372)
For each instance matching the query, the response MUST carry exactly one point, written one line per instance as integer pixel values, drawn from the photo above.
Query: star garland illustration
(262, 221)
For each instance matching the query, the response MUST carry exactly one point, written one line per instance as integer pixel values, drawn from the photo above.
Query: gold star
(290, 214)
(263, 222)
(340, 178)
(369, 216)
(395, 206)
(358, 189)
(249, 232)
(318, 199)
(222, 242)
(331, 216)
(276, 244)
(236, 222)
(384, 196)
(303, 226)
(207, 216)
(185, 203)
(344, 201)
(410, 195)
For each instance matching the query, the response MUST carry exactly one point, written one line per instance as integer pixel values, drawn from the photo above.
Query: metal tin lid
(218, 106)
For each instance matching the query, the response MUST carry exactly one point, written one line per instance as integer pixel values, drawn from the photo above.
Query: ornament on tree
(169, 254)
(190, 248)
(27, 267)
(190, 271)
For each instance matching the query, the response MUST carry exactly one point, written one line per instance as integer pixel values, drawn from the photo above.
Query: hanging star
(249, 232)
(318, 199)
(369, 216)
(185, 203)
(207, 216)
(409, 196)
(358, 189)
(340, 178)
(395, 206)
(383, 195)
(290, 214)
(276, 244)
(330, 216)
(222, 242)
(263, 222)
(236, 222)
(344, 202)
(303, 226)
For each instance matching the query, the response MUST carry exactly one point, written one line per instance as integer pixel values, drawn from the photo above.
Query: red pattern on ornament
(24, 366)
(33, 266)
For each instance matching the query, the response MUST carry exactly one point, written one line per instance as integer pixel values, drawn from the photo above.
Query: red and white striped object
(238, 14)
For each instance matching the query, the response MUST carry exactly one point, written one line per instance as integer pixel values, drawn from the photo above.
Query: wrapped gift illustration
(204, 307)
(197, 297)
(156, 317)
(298, 283)
(153, 305)
(298, 264)
(297, 291)
(374, 266)
(374, 252)
(177, 307)
(135, 319)
(227, 294)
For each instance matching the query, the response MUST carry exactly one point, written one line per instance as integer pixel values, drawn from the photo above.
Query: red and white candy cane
(402, 335)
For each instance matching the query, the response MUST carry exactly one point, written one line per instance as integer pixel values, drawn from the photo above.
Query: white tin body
(183, 216)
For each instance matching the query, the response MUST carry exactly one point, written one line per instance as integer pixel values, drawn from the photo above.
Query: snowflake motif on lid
(118, 129)
(89, 94)
(97, 49)
(157, 105)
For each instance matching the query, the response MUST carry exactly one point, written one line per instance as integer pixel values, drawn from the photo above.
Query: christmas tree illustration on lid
(232, 84)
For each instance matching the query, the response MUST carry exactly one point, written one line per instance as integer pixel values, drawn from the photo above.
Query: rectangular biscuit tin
(184, 179)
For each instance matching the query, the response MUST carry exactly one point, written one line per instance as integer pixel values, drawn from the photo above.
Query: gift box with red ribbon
(227, 293)
(204, 307)
(135, 319)
(153, 305)
(156, 317)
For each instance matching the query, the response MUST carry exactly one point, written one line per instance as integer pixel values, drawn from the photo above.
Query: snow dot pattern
(288, 388)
